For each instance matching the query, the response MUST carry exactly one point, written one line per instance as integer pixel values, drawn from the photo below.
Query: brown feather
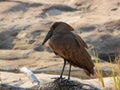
(71, 47)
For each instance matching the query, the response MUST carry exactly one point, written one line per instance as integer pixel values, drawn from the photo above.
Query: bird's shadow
(64, 84)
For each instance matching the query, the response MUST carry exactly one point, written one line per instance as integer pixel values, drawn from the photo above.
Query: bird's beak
(49, 34)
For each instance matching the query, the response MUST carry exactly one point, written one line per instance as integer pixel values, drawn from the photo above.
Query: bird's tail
(89, 72)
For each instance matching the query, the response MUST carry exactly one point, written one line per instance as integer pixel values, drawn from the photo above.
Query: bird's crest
(62, 26)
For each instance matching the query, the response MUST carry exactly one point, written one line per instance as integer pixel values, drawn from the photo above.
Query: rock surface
(20, 80)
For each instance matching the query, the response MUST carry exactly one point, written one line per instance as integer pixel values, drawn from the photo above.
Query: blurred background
(24, 24)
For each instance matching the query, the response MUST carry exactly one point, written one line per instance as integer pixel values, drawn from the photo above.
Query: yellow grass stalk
(116, 78)
(98, 72)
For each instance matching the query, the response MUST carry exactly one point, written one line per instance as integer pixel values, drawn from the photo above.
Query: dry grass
(114, 67)
(98, 72)
(116, 79)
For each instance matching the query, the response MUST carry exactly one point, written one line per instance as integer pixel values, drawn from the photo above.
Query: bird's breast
(58, 43)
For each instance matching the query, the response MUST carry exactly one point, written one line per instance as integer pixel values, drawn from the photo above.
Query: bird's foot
(69, 82)
(59, 79)
(63, 81)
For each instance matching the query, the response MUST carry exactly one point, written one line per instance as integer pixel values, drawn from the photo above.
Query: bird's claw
(67, 81)
(63, 81)
(59, 79)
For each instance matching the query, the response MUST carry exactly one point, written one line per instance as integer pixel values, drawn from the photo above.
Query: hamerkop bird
(70, 47)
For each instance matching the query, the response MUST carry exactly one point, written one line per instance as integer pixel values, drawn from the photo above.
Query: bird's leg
(69, 71)
(60, 78)
(67, 81)
(63, 69)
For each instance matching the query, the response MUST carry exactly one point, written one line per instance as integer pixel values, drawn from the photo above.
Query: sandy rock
(14, 54)
(22, 81)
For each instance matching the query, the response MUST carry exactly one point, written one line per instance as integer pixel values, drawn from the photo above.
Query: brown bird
(70, 47)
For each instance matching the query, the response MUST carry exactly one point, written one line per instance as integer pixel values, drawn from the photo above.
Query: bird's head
(55, 27)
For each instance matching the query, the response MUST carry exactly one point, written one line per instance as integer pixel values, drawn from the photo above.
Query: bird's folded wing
(74, 50)
(79, 40)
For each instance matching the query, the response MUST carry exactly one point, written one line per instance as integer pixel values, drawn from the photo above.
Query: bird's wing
(82, 57)
(74, 50)
(79, 40)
